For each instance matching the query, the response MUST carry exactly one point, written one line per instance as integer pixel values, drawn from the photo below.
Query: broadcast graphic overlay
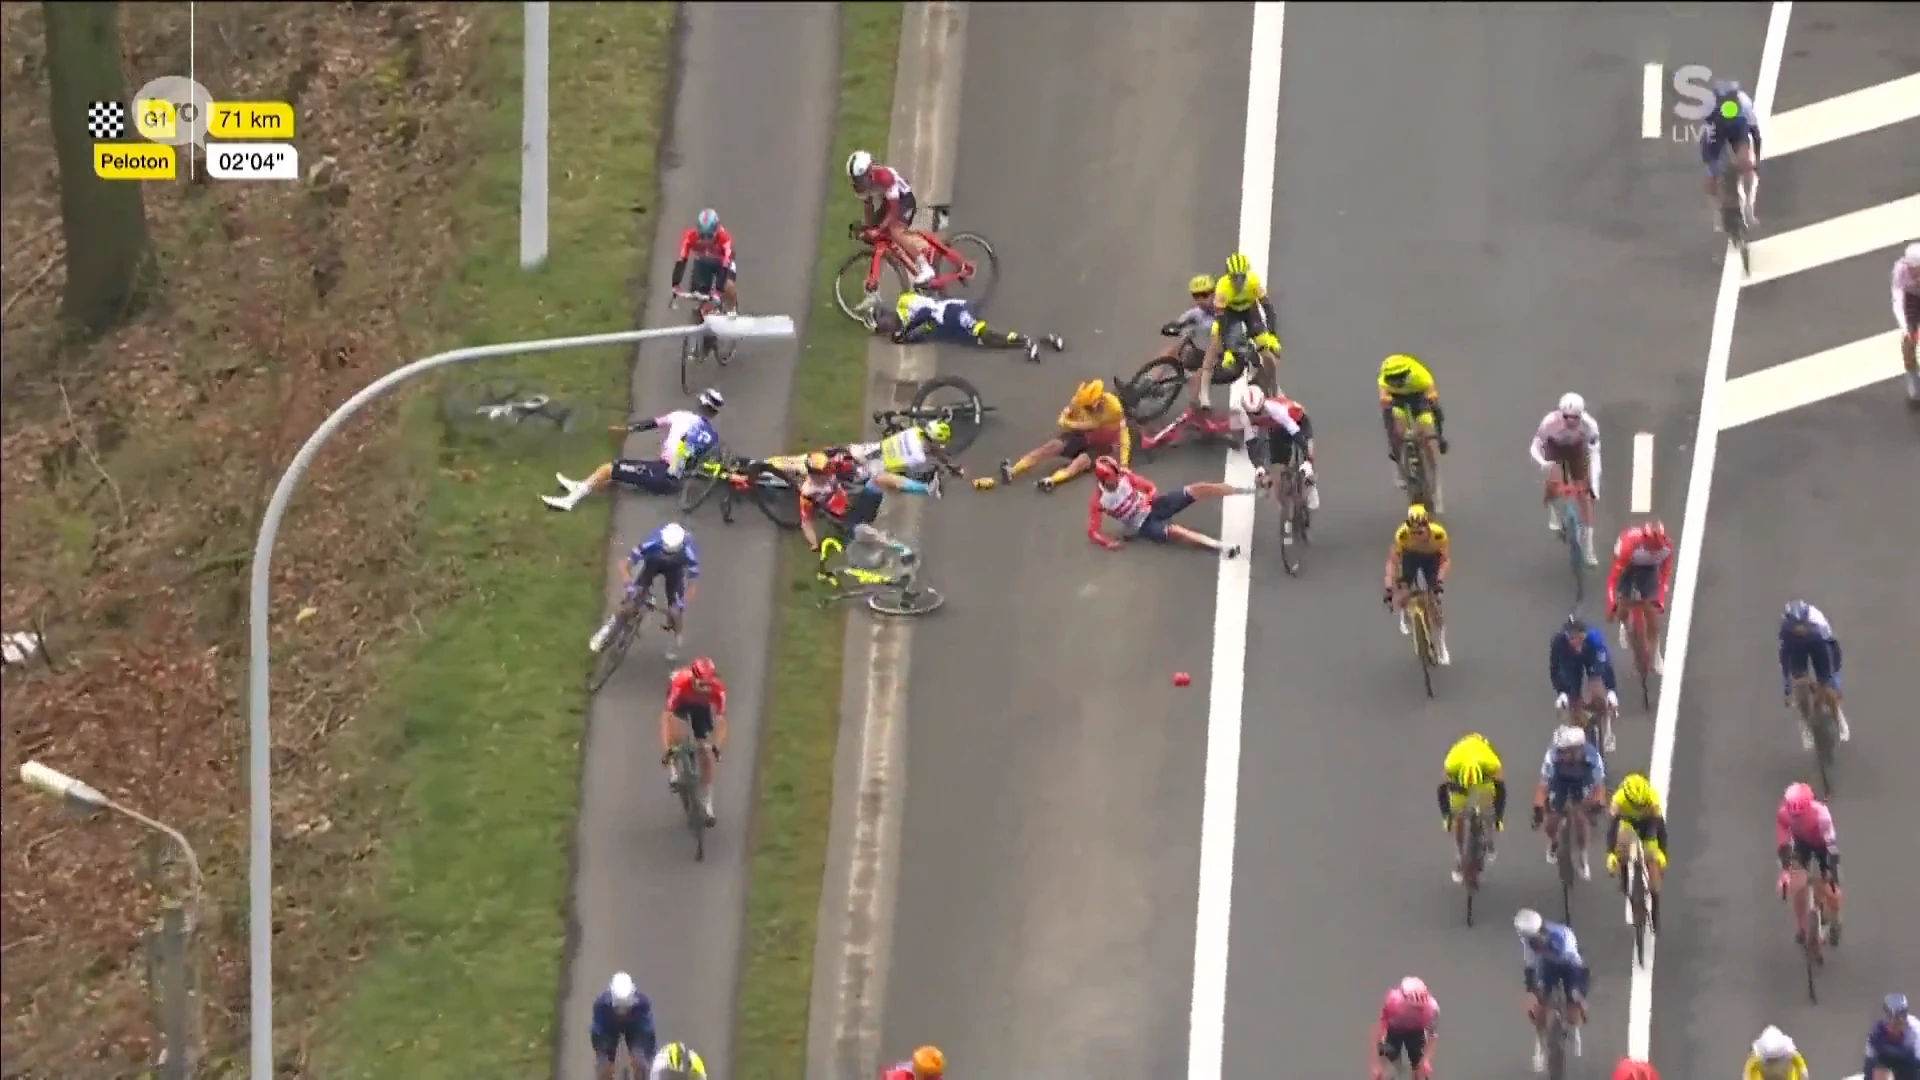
(240, 140)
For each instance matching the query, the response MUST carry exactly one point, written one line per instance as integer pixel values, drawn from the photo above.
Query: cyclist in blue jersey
(1573, 780)
(1550, 957)
(1732, 130)
(669, 556)
(1807, 644)
(917, 318)
(1581, 671)
(622, 1014)
(690, 437)
(1893, 1044)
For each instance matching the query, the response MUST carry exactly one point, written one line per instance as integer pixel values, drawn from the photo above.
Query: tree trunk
(105, 222)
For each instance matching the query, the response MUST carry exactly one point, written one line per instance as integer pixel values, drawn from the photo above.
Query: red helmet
(1798, 798)
(1656, 531)
(702, 670)
(1106, 470)
(1635, 1069)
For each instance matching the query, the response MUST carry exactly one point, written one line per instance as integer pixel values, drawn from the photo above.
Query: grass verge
(797, 749)
(474, 742)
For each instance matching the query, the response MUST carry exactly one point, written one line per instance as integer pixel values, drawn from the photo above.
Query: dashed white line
(1653, 94)
(1642, 499)
(1693, 528)
(1845, 237)
(1206, 1032)
(1811, 378)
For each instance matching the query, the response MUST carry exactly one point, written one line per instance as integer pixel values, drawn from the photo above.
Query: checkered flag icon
(107, 121)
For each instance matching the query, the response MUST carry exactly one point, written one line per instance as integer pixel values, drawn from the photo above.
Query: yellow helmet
(1636, 790)
(1201, 284)
(1417, 515)
(1397, 368)
(1472, 775)
(929, 1063)
(1089, 394)
(817, 462)
(1237, 265)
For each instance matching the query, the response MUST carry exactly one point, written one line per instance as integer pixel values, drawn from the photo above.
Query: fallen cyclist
(850, 494)
(690, 436)
(915, 453)
(1131, 499)
(917, 319)
(1094, 424)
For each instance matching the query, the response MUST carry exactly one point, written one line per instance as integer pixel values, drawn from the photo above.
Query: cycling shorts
(649, 475)
(606, 1044)
(1571, 978)
(1418, 407)
(1410, 1044)
(1480, 796)
(699, 717)
(1161, 512)
(1560, 792)
(672, 574)
(957, 326)
(1817, 657)
(1807, 856)
(1713, 140)
(705, 276)
(1576, 459)
(1091, 443)
(1419, 565)
(1639, 583)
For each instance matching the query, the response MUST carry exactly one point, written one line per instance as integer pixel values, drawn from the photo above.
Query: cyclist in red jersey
(1643, 568)
(707, 249)
(1635, 1069)
(928, 1063)
(890, 205)
(698, 699)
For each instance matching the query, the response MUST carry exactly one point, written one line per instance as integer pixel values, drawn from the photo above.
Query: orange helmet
(1635, 1069)
(929, 1063)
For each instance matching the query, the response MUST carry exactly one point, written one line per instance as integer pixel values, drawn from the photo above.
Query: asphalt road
(753, 106)
(1469, 185)
(1802, 505)
(1045, 901)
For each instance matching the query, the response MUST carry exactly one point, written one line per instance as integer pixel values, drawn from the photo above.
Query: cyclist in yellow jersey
(1472, 777)
(1636, 804)
(1094, 424)
(1420, 550)
(1240, 305)
(1774, 1057)
(1408, 394)
(677, 1061)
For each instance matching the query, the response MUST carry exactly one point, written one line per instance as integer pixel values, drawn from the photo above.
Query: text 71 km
(251, 120)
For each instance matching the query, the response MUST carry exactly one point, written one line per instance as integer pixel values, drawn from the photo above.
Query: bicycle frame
(883, 250)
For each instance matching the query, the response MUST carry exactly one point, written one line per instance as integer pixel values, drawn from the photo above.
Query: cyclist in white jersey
(1906, 315)
(690, 437)
(1569, 436)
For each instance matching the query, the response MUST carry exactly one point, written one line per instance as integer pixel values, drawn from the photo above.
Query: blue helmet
(1894, 1006)
(707, 224)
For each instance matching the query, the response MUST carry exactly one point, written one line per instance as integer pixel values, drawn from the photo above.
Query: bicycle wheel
(1475, 862)
(691, 348)
(850, 292)
(977, 289)
(1816, 928)
(1422, 638)
(624, 634)
(956, 401)
(775, 495)
(703, 477)
(1637, 902)
(1413, 470)
(686, 763)
(1825, 734)
(1153, 390)
(1640, 638)
(899, 601)
(1556, 1038)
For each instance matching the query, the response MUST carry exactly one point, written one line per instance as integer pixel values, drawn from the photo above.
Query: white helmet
(622, 990)
(1527, 922)
(1252, 399)
(672, 536)
(1572, 405)
(1773, 1045)
(858, 164)
(1569, 737)
(1912, 257)
(711, 399)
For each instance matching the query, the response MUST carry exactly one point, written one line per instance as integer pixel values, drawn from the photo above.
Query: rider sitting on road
(1131, 499)
(916, 319)
(1092, 425)
(1276, 426)
(697, 705)
(825, 481)
(890, 205)
(707, 249)
(927, 1063)
(690, 435)
(1192, 329)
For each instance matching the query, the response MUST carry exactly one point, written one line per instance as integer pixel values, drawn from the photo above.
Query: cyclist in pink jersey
(1804, 835)
(1409, 1024)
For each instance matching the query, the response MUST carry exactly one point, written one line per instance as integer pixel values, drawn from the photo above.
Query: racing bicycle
(1634, 880)
(1421, 621)
(1817, 712)
(685, 757)
(1567, 497)
(627, 625)
(1563, 837)
(1812, 930)
(1558, 1033)
(966, 261)
(695, 348)
(1639, 623)
(946, 397)
(1733, 211)
(1475, 862)
(886, 578)
(1419, 464)
(1290, 495)
(1596, 719)
(503, 403)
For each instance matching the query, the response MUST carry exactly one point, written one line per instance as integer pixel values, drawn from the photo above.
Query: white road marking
(1642, 500)
(1888, 225)
(1653, 95)
(1842, 117)
(1206, 1031)
(1693, 528)
(1811, 379)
